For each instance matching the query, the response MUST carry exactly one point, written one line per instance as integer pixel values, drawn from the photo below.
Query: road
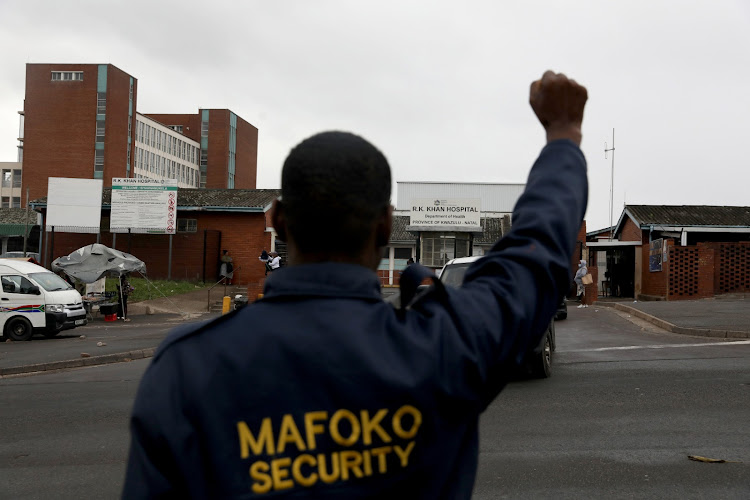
(626, 405)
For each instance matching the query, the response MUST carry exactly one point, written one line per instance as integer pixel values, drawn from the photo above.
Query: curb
(682, 330)
(78, 363)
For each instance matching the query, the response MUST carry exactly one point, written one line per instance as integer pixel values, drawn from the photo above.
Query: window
(67, 76)
(5, 202)
(176, 128)
(204, 129)
(99, 161)
(16, 202)
(187, 225)
(16, 178)
(402, 253)
(16, 284)
(99, 130)
(101, 103)
(6, 179)
(439, 248)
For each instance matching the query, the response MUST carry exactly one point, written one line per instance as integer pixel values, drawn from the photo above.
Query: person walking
(580, 287)
(275, 261)
(265, 258)
(124, 289)
(321, 389)
(227, 267)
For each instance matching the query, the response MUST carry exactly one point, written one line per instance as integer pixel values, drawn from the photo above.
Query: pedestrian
(227, 267)
(580, 288)
(265, 258)
(409, 262)
(322, 389)
(124, 289)
(275, 262)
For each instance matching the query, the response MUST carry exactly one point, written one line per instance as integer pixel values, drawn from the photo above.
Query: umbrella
(92, 262)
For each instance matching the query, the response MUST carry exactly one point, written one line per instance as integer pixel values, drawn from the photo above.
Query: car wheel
(553, 338)
(19, 329)
(542, 366)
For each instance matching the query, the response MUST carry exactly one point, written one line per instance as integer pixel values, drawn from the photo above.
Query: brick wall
(631, 232)
(218, 149)
(60, 125)
(654, 283)
(246, 160)
(242, 234)
(191, 123)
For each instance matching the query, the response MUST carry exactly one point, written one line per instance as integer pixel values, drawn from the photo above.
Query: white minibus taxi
(36, 300)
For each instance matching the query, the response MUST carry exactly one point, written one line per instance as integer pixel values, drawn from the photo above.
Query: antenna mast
(611, 183)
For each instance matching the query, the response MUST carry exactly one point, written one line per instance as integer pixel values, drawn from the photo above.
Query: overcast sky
(440, 87)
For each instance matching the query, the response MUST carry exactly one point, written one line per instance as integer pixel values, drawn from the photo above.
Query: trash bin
(239, 301)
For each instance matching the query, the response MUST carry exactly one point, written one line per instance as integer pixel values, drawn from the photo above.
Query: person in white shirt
(275, 261)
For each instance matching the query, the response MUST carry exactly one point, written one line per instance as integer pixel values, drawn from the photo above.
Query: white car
(537, 364)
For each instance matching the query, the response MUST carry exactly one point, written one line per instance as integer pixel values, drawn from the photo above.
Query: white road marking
(664, 346)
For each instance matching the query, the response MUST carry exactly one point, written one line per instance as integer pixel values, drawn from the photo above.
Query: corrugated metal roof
(495, 197)
(690, 215)
(13, 221)
(205, 198)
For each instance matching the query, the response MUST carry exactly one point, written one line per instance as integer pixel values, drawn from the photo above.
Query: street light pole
(611, 183)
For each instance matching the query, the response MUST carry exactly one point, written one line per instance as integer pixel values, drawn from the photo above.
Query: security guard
(321, 389)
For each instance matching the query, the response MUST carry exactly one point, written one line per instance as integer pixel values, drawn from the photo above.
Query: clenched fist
(558, 103)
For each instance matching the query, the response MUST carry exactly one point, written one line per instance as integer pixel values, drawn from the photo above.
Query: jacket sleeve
(510, 295)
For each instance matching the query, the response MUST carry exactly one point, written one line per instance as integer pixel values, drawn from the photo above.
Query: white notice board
(73, 205)
(143, 206)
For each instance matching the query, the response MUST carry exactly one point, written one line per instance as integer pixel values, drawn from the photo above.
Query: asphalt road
(625, 406)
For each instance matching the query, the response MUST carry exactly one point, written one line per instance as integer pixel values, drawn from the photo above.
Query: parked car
(36, 300)
(537, 364)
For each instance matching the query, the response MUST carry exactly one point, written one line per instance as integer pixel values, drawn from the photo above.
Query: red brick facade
(246, 154)
(60, 125)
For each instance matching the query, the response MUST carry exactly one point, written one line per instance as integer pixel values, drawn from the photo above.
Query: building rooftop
(204, 198)
(689, 215)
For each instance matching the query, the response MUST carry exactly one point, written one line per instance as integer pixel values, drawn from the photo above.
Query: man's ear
(278, 219)
(383, 228)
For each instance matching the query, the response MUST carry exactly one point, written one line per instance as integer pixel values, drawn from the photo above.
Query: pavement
(101, 342)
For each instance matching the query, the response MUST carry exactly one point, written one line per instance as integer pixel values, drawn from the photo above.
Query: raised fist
(558, 102)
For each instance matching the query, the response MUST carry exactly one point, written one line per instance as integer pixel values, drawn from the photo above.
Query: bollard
(226, 305)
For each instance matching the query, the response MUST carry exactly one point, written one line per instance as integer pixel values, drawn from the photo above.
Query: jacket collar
(323, 280)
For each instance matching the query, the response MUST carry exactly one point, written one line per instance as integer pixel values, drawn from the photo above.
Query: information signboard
(446, 214)
(143, 206)
(655, 255)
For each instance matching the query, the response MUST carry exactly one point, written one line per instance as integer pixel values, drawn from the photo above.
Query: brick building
(80, 121)
(208, 221)
(674, 252)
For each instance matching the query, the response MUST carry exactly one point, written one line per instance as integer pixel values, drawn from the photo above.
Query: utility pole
(611, 183)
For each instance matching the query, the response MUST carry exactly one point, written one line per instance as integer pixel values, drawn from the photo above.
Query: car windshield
(50, 281)
(453, 275)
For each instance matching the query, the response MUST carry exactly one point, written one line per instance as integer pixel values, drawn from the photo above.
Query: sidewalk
(102, 342)
(720, 317)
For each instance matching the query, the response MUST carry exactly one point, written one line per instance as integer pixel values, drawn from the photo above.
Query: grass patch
(152, 289)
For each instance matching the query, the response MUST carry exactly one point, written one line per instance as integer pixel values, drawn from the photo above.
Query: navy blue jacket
(321, 389)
